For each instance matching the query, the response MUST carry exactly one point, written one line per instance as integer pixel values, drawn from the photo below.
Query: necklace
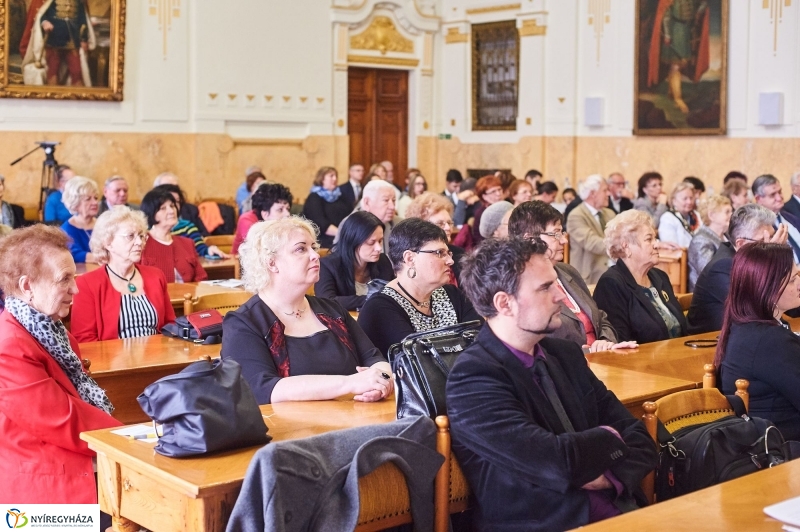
(297, 313)
(131, 286)
(423, 304)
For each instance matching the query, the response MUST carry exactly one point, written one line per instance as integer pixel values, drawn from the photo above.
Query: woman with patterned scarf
(294, 347)
(325, 205)
(46, 399)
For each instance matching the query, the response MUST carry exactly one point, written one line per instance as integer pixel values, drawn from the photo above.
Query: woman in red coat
(46, 399)
(121, 299)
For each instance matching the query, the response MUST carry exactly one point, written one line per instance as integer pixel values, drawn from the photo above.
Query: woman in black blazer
(755, 344)
(356, 259)
(637, 297)
(325, 205)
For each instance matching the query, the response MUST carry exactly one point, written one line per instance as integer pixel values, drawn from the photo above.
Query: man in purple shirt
(543, 443)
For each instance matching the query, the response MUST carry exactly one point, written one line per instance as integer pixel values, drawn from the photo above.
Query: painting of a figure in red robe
(681, 51)
(73, 44)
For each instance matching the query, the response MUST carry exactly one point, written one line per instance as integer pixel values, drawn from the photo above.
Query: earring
(30, 299)
(412, 272)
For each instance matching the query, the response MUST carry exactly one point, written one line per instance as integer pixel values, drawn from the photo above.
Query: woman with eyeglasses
(490, 190)
(80, 198)
(121, 299)
(581, 321)
(419, 298)
(438, 210)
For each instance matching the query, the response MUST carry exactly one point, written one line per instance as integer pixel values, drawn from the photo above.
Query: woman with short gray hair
(291, 346)
(81, 200)
(7, 215)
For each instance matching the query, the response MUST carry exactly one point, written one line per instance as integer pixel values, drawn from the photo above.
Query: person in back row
(80, 198)
(542, 442)
(750, 223)
(272, 201)
(54, 209)
(325, 205)
(586, 227)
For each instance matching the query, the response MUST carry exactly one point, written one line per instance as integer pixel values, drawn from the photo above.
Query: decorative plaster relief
(381, 35)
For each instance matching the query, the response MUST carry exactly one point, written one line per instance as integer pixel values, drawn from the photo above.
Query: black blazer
(624, 205)
(324, 214)
(332, 280)
(768, 356)
(19, 216)
(710, 291)
(524, 469)
(349, 194)
(792, 207)
(458, 254)
(630, 311)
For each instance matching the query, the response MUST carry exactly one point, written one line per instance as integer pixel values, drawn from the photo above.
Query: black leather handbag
(207, 407)
(421, 364)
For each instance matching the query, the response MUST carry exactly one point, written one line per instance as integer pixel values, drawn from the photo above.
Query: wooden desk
(178, 290)
(222, 269)
(123, 368)
(141, 488)
(734, 505)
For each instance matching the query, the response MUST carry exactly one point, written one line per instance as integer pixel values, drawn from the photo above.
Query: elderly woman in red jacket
(121, 299)
(46, 399)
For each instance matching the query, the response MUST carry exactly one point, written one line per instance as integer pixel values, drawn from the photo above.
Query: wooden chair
(676, 265)
(451, 491)
(689, 407)
(224, 302)
(565, 260)
(223, 242)
(323, 252)
(685, 301)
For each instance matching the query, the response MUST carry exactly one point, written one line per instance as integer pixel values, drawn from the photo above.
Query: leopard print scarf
(52, 335)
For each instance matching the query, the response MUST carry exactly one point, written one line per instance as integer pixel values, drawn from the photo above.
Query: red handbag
(202, 327)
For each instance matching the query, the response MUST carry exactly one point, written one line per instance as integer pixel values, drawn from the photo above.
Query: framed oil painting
(62, 49)
(681, 67)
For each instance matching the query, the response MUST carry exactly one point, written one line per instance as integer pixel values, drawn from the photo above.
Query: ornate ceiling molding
(382, 35)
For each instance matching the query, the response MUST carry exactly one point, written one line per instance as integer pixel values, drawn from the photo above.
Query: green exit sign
(445, 136)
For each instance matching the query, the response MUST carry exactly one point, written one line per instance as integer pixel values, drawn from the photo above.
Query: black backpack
(705, 454)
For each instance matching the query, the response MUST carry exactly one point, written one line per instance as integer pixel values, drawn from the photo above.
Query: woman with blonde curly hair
(294, 347)
(81, 200)
(122, 299)
(637, 297)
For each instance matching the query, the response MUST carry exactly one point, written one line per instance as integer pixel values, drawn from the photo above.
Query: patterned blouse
(443, 312)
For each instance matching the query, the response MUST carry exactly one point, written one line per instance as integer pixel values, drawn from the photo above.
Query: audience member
(767, 193)
(165, 178)
(420, 298)
(379, 199)
(544, 445)
(252, 182)
(11, 215)
(755, 343)
(581, 321)
(351, 191)
(271, 201)
(115, 192)
(649, 196)
(793, 205)
(680, 223)
(80, 199)
(124, 299)
(716, 219)
(46, 400)
(437, 210)
(494, 221)
(389, 167)
(519, 192)
(617, 186)
(697, 183)
(638, 297)
(733, 174)
(568, 195)
(586, 228)
(355, 260)
(243, 192)
(54, 209)
(376, 171)
(750, 223)
(533, 177)
(547, 192)
(186, 210)
(451, 188)
(325, 205)
(416, 186)
(490, 190)
(736, 190)
(5, 230)
(294, 347)
(506, 178)
(468, 202)
(175, 256)
(188, 229)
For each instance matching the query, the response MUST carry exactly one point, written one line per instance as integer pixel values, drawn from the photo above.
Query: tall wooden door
(377, 117)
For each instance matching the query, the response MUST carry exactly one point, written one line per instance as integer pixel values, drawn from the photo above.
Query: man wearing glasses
(617, 187)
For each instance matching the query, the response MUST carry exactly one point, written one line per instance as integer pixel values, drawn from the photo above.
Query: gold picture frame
(683, 50)
(89, 37)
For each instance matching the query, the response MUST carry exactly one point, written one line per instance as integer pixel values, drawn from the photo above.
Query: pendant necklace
(297, 313)
(131, 286)
(423, 304)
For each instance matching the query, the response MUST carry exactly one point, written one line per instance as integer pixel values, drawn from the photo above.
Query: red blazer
(41, 416)
(95, 308)
(180, 255)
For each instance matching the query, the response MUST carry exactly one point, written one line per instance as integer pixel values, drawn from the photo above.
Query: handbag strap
(457, 328)
(665, 438)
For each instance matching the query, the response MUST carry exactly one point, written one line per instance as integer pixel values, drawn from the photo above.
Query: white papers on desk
(787, 512)
(137, 430)
(227, 283)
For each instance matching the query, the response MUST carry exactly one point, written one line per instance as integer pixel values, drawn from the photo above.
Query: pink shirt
(246, 221)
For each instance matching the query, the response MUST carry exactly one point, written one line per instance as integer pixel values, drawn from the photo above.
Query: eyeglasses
(130, 237)
(558, 235)
(494, 191)
(441, 253)
(443, 224)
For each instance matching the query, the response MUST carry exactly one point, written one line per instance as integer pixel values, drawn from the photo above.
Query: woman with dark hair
(755, 343)
(173, 255)
(419, 298)
(271, 201)
(355, 260)
(189, 229)
(649, 193)
(490, 190)
(252, 182)
(736, 190)
(547, 192)
(325, 205)
(417, 184)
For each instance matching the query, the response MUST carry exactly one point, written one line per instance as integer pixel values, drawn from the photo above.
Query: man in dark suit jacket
(616, 201)
(749, 223)
(793, 205)
(542, 442)
(351, 191)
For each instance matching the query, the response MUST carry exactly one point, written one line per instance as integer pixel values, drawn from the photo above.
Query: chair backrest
(685, 301)
(323, 252)
(223, 242)
(224, 302)
(565, 260)
(451, 491)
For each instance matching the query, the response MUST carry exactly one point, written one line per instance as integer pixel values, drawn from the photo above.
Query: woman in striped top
(121, 299)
